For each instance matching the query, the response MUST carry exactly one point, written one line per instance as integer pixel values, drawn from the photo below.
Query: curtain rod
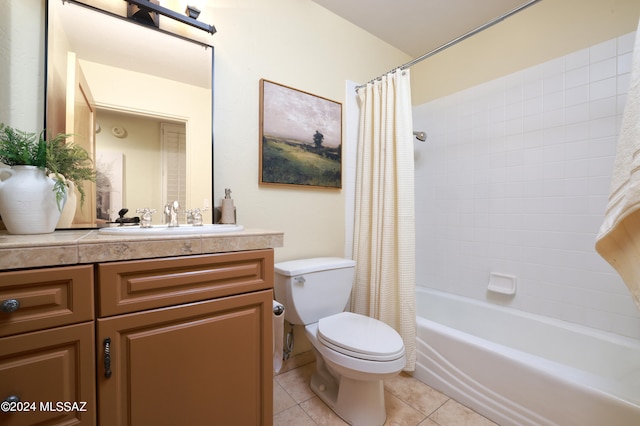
(456, 40)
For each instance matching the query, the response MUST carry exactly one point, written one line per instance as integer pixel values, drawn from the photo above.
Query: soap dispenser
(228, 214)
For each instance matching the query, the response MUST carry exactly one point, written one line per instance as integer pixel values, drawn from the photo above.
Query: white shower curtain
(384, 233)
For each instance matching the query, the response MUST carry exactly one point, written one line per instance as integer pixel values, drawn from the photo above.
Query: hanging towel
(618, 241)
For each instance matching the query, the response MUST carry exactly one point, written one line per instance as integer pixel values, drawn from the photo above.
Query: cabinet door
(44, 368)
(204, 363)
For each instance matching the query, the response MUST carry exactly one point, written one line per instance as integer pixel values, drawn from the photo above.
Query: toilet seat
(360, 336)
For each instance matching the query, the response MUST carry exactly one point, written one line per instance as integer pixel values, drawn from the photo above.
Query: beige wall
(301, 45)
(544, 31)
(22, 64)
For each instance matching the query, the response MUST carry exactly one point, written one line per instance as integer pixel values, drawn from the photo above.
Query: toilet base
(358, 402)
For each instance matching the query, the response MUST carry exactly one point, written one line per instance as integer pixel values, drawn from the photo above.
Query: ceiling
(419, 26)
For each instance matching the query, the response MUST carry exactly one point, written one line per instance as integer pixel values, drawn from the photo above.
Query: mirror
(140, 101)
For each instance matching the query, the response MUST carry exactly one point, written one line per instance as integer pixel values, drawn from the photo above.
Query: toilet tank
(311, 289)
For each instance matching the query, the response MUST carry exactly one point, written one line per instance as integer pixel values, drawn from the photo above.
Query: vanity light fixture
(190, 19)
(144, 15)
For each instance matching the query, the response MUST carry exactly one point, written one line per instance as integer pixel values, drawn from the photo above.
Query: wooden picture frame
(300, 138)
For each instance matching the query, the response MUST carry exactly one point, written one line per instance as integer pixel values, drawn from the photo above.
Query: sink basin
(179, 230)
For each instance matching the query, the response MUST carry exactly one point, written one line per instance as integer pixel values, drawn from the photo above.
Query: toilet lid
(360, 336)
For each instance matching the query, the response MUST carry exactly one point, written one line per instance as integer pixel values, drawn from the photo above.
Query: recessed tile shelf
(502, 283)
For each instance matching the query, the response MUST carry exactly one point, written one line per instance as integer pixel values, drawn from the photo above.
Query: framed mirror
(140, 101)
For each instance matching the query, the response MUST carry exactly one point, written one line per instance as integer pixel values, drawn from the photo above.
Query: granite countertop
(71, 247)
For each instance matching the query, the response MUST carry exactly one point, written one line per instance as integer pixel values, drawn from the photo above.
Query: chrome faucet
(171, 213)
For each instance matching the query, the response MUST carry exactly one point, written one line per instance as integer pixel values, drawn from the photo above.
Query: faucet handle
(146, 218)
(194, 217)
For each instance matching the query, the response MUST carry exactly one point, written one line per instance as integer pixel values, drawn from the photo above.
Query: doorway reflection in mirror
(130, 167)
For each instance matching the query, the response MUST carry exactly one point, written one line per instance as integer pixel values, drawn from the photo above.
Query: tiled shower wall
(514, 178)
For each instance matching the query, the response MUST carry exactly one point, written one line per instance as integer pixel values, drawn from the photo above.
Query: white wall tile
(577, 168)
(601, 166)
(579, 113)
(603, 69)
(553, 117)
(577, 59)
(553, 101)
(603, 88)
(532, 89)
(604, 50)
(599, 147)
(577, 77)
(516, 176)
(605, 107)
(553, 83)
(553, 67)
(602, 127)
(577, 185)
(625, 43)
(576, 131)
(576, 95)
(623, 81)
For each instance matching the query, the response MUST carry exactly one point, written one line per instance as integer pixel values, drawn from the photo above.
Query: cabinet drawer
(47, 298)
(132, 286)
(45, 367)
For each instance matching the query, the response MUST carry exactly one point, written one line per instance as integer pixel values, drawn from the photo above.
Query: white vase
(27, 201)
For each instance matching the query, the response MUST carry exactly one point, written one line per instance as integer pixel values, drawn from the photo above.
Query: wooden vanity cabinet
(186, 340)
(47, 346)
(173, 341)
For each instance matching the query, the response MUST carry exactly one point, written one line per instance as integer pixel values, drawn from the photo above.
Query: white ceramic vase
(27, 201)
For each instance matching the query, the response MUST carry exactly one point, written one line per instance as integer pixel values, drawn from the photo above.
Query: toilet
(354, 353)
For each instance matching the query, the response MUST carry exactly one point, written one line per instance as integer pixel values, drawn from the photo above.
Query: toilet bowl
(354, 353)
(351, 383)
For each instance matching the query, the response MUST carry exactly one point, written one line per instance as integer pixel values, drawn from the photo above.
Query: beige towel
(618, 241)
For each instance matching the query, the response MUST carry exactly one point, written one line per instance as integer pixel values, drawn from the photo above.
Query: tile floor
(409, 402)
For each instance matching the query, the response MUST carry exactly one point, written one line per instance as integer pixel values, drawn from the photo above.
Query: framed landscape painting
(300, 138)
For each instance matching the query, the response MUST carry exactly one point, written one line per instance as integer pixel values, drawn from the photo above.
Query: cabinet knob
(9, 306)
(12, 398)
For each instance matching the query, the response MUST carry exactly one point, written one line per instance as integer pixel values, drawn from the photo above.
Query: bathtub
(517, 368)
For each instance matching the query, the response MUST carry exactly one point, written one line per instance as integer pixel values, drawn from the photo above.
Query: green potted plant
(38, 181)
(69, 163)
